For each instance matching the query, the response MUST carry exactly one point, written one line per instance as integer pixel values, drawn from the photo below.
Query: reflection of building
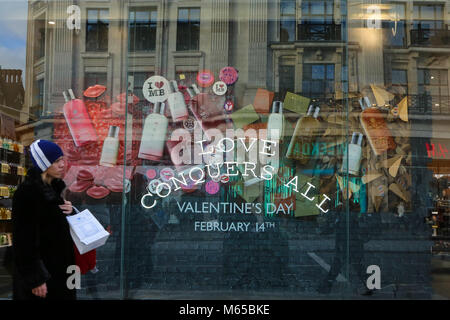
(11, 93)
(297, 45)
(315, 48)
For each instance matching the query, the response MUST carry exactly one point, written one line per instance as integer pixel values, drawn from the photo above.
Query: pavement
(308, 258)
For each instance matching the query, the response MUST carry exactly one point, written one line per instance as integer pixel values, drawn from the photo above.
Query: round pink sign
(229, 75)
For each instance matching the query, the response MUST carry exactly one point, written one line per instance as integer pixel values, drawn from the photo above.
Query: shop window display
(279, 147)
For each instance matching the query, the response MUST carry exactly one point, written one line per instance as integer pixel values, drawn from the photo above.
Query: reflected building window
(186, 78)
(433, 84)
(287, 20)
(428, 25)
(38, 104)
(40, 92)
(40, 39)
(399, 81)
(317, 22)
(188, 29)
(93, 78)
(318, 80)
(395, 28)
(142, 28)
(287, 80)
(97, 26)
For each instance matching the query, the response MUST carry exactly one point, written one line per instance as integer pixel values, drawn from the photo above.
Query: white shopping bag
(87, 233)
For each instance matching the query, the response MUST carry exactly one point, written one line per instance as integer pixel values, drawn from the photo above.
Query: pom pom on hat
(44, 153)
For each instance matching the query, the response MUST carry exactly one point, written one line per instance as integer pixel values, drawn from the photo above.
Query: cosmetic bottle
(78, 121)
(374, 125)
(305, 133)
(177, 105)
(275, 124)
(154, 134)
(354, 155)
(110, 148)
(208, 110)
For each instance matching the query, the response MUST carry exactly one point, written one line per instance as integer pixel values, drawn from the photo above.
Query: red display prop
(85, 261)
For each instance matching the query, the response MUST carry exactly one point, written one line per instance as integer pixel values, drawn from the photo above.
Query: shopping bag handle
(76, 210)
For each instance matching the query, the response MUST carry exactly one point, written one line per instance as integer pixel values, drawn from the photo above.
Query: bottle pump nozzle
(72, 96)
(113, 132)
(193, 90)
(173, 86)
(357, 138)
(66, 98)
(316, 112)
(162, 107)
(277, 107)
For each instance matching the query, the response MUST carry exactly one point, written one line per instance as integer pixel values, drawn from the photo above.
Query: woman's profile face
(56, 170)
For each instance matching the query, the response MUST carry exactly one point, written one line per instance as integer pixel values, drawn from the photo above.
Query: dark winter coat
(42, 245)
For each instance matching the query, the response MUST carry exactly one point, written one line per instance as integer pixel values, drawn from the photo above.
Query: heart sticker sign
(156, 89)
(220, 88)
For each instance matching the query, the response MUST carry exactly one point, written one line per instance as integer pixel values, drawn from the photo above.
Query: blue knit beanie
(44, 153)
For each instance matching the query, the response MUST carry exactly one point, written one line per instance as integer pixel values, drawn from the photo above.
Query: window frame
(178, 36)
(325, 81)
(150, 23)
(97, 48)
(423, 88)
(293, 16)
(308, 28)
(98, 75)
(388, 25)
(417, 21)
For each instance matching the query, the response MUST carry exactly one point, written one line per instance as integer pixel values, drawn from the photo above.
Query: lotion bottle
(354, 155)
(275, 124)
(374, 125)
(110, 148)
(208, 110)
(78, 121)
(154, 134)
(176, 102)
(305, 132)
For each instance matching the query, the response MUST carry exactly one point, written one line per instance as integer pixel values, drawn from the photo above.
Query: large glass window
(287, 20)
(291, 149)
(394, 27)
(188, 29)
(38, 106)
(97, 26)
(287, 80)
(428, 16)
(318, 80)
(428, 25)
(433, 83)
(93, 78)
(317, 21)
(40, 39)
(142, 26)
(399, 80)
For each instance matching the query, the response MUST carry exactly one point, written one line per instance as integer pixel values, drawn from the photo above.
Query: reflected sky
(13, 34)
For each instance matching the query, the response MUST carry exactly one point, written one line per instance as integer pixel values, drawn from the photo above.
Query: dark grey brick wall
(178, 259)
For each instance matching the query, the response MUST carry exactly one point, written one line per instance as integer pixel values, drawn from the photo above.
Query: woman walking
(42, 245)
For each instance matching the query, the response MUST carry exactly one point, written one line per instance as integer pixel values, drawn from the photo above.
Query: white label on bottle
(156, 89)
(109, 152)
